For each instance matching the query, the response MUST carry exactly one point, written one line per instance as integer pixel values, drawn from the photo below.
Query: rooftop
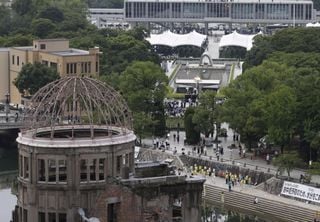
(71, 52)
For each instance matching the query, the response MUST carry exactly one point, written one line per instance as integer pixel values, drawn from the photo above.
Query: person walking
(268, 158)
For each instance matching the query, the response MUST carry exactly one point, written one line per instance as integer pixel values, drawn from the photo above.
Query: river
(9, 164)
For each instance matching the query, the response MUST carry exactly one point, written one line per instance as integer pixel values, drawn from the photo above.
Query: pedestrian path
(230, 156)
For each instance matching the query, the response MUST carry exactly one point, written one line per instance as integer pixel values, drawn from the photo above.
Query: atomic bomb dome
(77, 134)
(77, 107)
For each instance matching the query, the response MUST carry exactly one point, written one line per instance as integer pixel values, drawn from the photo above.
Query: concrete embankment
(275, 207)
(269, 206)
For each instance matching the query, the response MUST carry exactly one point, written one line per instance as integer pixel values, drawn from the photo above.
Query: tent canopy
(236, 39)
(171, 39)
(317, 24)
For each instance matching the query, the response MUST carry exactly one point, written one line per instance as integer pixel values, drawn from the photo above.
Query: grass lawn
(172, 122)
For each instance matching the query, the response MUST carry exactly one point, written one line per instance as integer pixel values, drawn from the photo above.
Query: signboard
(301, 191)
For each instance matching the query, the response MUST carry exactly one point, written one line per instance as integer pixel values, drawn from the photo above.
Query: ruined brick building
(76, 151)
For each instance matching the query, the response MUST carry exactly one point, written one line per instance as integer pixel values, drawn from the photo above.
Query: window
(13, 60)
(20, 166)
(119, 158)
(83, 170)
(41, 217)
(53, 65)
(112, 213)
(62, 217)
(41, 170)
(52, 217)
(42, 46)
(25, 215)
(93, 164)
(52, 170)
(71, 68)
(68, 68)
(25, 167)
(86, 67)
(89, 67)
(62, 170)
(18, 60)
(101, 169)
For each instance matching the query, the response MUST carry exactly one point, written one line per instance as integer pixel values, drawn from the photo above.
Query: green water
(216, 213)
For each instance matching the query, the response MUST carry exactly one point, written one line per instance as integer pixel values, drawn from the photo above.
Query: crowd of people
(237, 179)
(232, 179)
(174, 108)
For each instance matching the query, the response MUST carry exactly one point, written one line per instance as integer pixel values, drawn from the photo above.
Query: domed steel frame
(75, 103)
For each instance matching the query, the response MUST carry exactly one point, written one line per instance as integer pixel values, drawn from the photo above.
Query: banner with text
(301, 191)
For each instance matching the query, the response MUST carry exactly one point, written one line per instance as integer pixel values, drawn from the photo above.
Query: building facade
(108, 18)
(219, 11)
(54, 53)
(4, 73)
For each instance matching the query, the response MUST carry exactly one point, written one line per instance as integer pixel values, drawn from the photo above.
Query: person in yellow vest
(232, 179)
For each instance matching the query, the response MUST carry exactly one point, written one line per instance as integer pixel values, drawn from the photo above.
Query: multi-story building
(219, 11)
(54, 53)
(4, 73)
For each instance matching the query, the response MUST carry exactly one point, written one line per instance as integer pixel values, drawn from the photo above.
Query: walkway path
(231, 156)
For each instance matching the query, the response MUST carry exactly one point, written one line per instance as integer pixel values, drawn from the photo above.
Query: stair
(265, 207)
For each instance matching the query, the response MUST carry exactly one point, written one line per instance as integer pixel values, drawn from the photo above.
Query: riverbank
(243, 196)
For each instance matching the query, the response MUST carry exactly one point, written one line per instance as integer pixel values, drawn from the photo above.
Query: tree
(22, 7)
(314, 169)
(204, 116)
(121, 50)
(34, 76)
(200, 119)
(52, 13)
(42, 27)
(143, 84)
(281, 115)
(286, 40)
(192, 133)
(287, 162)
(142, 125)
(5, 21)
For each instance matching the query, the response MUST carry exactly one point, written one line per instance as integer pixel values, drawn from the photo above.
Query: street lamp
(7, 95)
(197, 79)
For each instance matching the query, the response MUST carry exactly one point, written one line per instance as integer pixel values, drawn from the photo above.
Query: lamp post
(7, 95)
(197, 79)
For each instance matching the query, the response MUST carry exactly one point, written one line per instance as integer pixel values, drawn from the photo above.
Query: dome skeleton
(75, 101)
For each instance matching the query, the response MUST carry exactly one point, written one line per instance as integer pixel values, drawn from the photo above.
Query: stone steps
(265, 207)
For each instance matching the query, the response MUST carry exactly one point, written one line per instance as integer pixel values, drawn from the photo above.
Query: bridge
(12, 120)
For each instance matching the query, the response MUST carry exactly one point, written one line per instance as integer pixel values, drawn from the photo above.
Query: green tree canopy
(287, 162)
(287, 40)
(204, 116)
(192, 132)
(143, 84)
(34, 76)
(42, 27)
(123, 49)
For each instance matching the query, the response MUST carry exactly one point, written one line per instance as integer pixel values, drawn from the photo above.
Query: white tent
(236, 39)
(317, 24)
(171, 39)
